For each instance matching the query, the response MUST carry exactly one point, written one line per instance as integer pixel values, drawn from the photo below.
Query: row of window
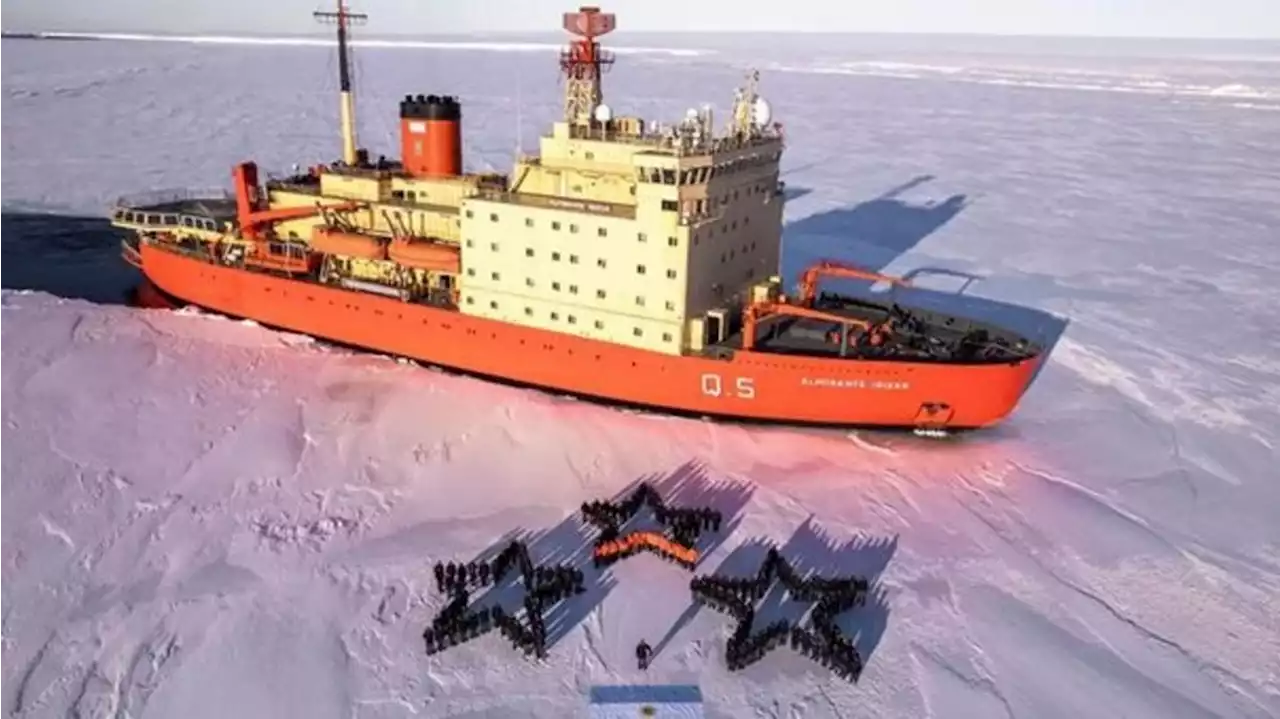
(702, 175)
(573, 229)
(571, 319)
(573, 260)
(572, 289)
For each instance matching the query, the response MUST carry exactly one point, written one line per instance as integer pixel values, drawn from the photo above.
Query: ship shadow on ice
(68, 256)
(811, 552)
(874, 233)
(790, 193)
(572, 543)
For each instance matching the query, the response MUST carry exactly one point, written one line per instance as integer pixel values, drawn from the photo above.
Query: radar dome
(691, 114)
(603, 113)
(763, 113)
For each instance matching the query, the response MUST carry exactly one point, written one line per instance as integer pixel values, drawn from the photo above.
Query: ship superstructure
(622, 242)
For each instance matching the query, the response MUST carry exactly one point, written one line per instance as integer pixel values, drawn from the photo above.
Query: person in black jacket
(644, 653)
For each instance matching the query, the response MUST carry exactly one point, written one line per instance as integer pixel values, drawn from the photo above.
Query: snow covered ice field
(203, 518)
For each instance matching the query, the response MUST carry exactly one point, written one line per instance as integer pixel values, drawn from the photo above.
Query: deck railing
(674, 142)
(161, 197)
(143, 219)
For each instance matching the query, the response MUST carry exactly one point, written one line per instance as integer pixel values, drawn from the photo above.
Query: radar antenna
(745, 99)
(583, 62)
(344, 18)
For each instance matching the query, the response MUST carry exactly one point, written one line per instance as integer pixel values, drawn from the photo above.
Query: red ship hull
(751, 386)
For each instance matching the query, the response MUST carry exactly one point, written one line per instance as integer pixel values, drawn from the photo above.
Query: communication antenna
(583, 62)
(343, 18)
(519, 111)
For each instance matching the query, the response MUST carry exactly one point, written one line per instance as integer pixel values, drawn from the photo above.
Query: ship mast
(583, 62)
(343, 17)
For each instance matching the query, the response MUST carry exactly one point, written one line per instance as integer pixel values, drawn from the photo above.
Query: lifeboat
(333, 241)
(426, 255)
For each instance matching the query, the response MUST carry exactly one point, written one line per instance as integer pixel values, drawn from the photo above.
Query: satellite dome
(691, 114)
(763, 113)
(603, 113)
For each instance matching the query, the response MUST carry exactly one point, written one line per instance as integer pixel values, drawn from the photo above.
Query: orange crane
(833, 268)
(284, 257)
(754, 312)
(248, 200)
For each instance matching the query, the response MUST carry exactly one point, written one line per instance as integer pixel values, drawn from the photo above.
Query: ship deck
(922, 336)
(220, 209)
(209, 211)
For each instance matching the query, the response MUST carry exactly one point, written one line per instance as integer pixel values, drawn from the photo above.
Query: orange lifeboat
(426, 255)
(333, 241)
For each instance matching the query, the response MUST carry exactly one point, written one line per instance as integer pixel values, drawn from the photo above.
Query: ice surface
(206, 518)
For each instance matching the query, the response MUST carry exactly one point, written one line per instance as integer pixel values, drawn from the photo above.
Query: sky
(1126, 18)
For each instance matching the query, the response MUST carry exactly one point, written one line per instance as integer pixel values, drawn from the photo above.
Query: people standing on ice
(643, 654)
(439, 571)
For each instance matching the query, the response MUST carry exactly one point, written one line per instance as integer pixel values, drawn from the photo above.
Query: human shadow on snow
(572, 543)
(811, 552)
(874, 233)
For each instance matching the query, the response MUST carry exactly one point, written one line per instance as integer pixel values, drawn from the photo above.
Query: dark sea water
(68, 256)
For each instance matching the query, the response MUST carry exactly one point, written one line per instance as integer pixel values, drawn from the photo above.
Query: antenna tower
(583, 62)
(344, 18)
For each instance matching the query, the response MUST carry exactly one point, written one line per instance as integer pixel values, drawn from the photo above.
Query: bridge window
(555, 286)
(555, 225)
(599, 325)
(572, 320)
(666, 336)
(495, 276)
(642, 237)
(671, 274)
(673, 242)
(528, 311)
(555, 256)
(470, 214)
(573, 289)
(670, 206)
(528, 282)
(528, 222)
(601, 263)
(555, 315)
(640, 269)
(573, 228)
(471, 272)
(602, 232)
(639, 301)
(493, 246)
(637, 332)
(671, 305)
(493, 217)
(493, 305)
(528, 252)
(600, 294)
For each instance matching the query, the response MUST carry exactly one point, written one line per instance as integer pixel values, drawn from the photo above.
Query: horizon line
(109, 34)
